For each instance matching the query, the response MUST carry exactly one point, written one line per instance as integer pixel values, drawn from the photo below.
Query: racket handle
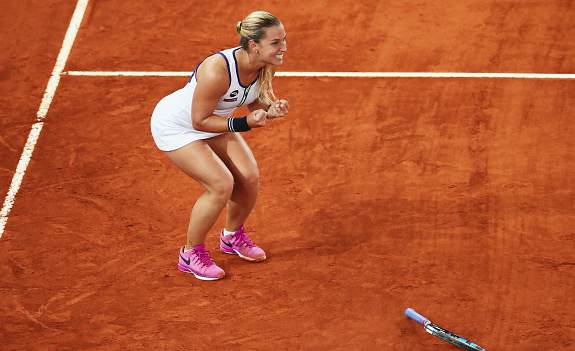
(415, 316)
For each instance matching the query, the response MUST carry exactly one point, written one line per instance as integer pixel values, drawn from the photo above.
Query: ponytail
(265, 76)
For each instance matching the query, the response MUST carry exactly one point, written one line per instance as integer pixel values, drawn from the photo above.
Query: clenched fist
(278, 108)
(257, 119)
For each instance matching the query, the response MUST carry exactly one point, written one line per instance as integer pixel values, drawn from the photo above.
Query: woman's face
(273, 45)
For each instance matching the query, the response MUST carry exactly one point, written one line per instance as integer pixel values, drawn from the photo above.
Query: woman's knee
(250, 180)
(221, 187)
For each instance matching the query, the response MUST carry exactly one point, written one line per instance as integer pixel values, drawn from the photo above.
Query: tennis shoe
(239, 244)
(198, 262)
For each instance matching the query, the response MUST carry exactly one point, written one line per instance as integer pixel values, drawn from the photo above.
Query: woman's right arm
(213, 82)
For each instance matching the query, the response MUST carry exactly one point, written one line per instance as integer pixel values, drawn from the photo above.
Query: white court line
(67, 46)
(341, 74)
(42, 111)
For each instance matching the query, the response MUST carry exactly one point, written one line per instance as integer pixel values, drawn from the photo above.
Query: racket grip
(415, 316)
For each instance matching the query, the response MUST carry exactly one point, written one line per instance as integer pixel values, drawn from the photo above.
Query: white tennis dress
(171, 122)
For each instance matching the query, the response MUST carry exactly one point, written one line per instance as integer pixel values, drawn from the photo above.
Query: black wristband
(270, 105)
(238, 124)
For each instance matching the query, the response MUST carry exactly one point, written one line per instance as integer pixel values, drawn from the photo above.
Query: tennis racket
(442, 333)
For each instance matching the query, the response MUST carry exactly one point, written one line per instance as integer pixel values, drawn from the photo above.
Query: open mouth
(279, 57)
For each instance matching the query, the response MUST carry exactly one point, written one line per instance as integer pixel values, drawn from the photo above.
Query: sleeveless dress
(171, 121)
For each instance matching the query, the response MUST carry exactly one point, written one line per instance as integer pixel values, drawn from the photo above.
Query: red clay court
(426, 162)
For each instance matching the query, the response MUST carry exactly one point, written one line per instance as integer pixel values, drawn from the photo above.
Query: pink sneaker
(198, 262)
(239, 244)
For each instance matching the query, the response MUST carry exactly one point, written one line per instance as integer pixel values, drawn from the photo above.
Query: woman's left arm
(258, 105)
(278, 108)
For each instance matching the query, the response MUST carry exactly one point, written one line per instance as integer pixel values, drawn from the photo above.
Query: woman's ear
(254, 46)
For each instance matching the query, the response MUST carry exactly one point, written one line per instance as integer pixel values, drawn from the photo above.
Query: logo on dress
(233, 95)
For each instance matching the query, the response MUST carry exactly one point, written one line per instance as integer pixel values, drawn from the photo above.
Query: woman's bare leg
(239, 160)
(199, 162)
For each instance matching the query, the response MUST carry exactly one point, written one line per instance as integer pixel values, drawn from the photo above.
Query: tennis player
(193, 127)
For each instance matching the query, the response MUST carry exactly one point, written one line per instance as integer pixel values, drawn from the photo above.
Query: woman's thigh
(236, 155)
(201, 163)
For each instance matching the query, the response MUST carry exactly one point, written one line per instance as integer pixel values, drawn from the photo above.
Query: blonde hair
(253, 28)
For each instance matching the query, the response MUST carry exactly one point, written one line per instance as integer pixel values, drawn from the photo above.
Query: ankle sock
(228, 233)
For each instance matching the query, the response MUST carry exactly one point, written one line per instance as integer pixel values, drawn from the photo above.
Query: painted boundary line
(70, 36)
(42, 111)
(341, 74)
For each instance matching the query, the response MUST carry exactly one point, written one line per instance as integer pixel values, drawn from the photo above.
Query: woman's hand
(257, 119)
(278, 108)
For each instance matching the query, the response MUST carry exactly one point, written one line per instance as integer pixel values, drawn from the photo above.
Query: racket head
(451, 338)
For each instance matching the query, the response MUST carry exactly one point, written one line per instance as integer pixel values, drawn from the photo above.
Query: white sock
(228, 233)
(186, 248)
